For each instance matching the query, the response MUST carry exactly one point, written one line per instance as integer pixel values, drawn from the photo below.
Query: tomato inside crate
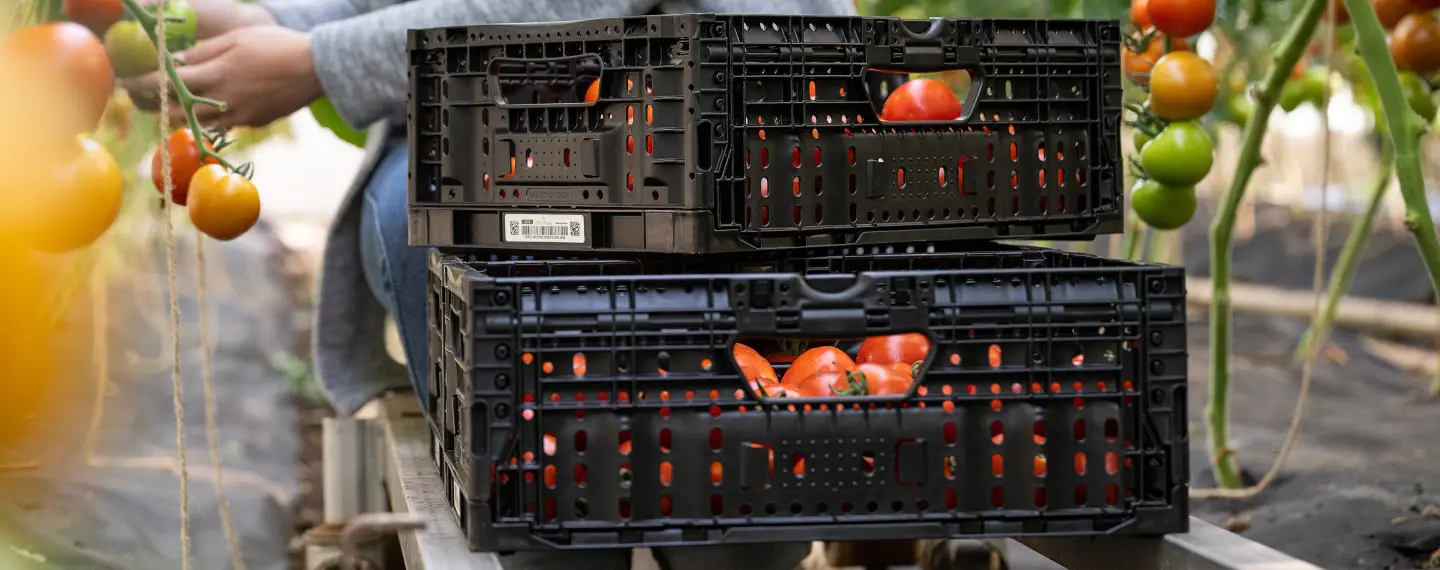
(616, 400)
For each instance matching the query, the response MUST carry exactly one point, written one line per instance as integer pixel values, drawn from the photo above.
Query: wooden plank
(1355, 312)
(1205, 547)
(414, 486)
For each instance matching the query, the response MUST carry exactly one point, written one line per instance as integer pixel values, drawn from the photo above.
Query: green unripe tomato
(130, 49)
(1180, 156)
(1161, 207)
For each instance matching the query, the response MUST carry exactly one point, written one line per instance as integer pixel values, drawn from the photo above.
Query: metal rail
(414, 487)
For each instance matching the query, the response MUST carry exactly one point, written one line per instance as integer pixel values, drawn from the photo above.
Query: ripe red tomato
(63, 59)
(817, 359)
(1415, 43)
(907, 348)
(1140, 14)
(906, 370)
(1181, 18)
(921, 99)
(1337, 7)
(1391, 12)
(825, 383)
(98, 15)
(74, 202)
(1419, 4)
(876, 380)
(753, 366)
(223, 204)
(184, 161)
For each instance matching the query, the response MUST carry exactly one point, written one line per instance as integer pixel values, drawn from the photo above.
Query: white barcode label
(545, 228)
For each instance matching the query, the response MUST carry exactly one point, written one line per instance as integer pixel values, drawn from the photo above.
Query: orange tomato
(1138, 64)
(907, 348)
(75, 201)
(592, 93)
(816, 360)
(1183, 86)
(223, 204)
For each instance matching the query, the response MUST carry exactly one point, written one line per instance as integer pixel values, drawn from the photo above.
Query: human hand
(216, 17)
(261, 73)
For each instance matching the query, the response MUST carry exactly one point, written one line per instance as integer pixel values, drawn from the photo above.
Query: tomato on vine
(1181, 18)
(1140, 14)
(63, 59)
(184, 163)
(222, 204)
(1341, 15)
(181, 25)
(1181, 155)
(1308, 88)
(1415, 43)
(131, 51)
(75, 201)
(1391, 12)
(1417, 93)
(1161, 207)
(921, 99)
(1141, 54)
(1183, 86)
(97, 15)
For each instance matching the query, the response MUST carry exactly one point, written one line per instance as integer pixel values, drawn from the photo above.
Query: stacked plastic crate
(730, 182)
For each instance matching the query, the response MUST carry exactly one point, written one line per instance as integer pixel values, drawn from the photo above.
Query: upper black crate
(733, 133)
(1052, 402)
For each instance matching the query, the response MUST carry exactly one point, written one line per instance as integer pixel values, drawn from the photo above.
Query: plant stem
(1130, 242)
(187, 99)
(1222, 233)
(1344, 272)
(1403, 131)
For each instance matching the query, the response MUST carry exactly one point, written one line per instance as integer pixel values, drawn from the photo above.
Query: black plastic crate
(1091, 371)
(734, 133)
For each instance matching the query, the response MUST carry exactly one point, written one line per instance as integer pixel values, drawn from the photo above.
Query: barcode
(558, 230)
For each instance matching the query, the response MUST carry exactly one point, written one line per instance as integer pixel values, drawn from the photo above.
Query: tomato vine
(217, 141)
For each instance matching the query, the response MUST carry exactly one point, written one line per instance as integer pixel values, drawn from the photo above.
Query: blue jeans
(399, 274)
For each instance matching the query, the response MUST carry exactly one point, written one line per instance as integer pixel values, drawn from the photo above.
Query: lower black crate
(595, 404)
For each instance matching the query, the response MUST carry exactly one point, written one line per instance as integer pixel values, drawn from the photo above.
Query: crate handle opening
(937, 25)
(880, 368)
(569, 81)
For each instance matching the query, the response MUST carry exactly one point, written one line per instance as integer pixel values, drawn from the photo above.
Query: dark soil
(1365, 464)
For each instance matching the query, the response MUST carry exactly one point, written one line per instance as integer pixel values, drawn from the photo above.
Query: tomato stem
(1344, 272)
(1402, 131)
(1222, 231)
(187, 99)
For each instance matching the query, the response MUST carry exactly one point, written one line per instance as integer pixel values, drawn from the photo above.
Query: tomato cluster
(60, 79)
(1176, 153)
(883, 366)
